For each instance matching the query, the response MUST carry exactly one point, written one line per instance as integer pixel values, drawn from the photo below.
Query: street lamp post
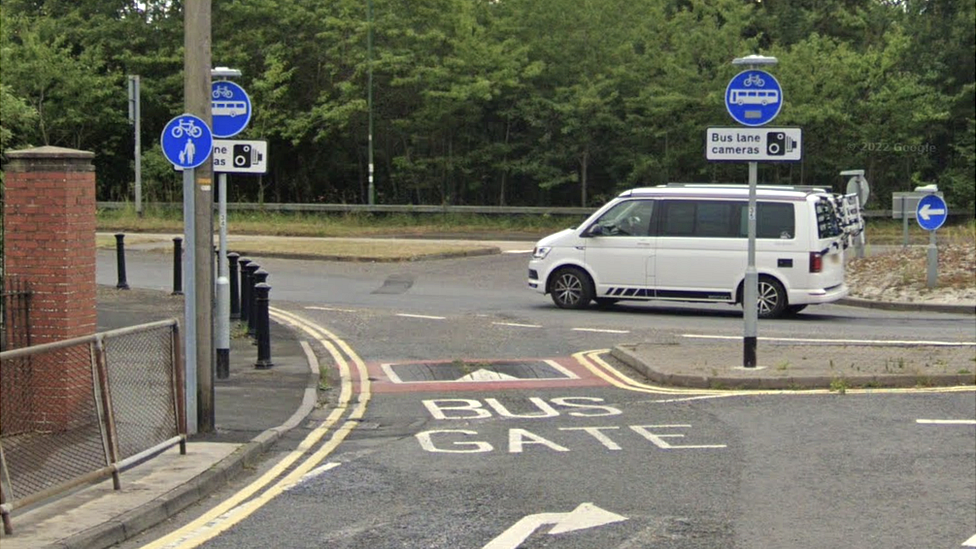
(369, 95)
(750, 293)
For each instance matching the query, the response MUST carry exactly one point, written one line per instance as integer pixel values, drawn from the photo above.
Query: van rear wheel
(772, 298)
(571, 288)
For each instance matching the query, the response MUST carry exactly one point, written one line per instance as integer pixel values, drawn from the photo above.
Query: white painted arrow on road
(927, 211)
(586, 515)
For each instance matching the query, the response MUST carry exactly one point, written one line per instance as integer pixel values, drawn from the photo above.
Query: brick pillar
(49, 241)
(49, 238)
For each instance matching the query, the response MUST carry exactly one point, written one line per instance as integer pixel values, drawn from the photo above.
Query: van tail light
(816, 262)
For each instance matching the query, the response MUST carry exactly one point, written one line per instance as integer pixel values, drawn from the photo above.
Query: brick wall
(49, 241)
(49, 238)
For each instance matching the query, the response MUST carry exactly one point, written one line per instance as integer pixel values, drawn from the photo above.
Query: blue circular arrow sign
(230, 108)
(931, 212)
(753, 98)
(187, 141)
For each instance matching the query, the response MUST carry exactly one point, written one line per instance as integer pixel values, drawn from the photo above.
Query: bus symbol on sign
(753, 98)
(230, 108)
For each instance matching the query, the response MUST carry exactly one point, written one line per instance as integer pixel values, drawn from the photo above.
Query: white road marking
(561, 369)
(516, 325)
(585, 516)
(332, 309)
(602, 331)
(843, 341)
(428, 317)
(517, 252)
(946, 421)
(971, 542)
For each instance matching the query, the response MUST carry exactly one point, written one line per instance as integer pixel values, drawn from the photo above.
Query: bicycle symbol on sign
(754, 79)
(222, 91)
(187, 127)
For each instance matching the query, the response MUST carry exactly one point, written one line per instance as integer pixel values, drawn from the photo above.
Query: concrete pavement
(254, 408)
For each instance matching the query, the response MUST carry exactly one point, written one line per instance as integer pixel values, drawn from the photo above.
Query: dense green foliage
(508, 102)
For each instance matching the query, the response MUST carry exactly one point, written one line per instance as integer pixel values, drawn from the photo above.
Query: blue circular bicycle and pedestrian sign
(187, 141)
(931, 212)
(230, 109)
(753, 98)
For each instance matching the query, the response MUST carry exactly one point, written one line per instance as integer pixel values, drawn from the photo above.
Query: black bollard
(177, 265)
(261, 291)
(247, 307)
(235, 298)
(120, 261)
(246, 287)
(259, 276)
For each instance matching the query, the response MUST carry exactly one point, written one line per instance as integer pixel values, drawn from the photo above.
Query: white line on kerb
(601, 331)
(516, 325)
(846, 341)
(946, 421)
(428, 317)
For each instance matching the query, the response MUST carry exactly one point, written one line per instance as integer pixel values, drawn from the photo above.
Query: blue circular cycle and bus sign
(753, 98)
(230, 108)
(187, 141)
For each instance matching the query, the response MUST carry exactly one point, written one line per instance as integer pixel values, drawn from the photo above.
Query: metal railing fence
(81, 410)
(14, 313)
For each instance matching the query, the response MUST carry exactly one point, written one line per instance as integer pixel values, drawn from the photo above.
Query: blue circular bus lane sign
(230, 109)
(753, 98)
(187, 141)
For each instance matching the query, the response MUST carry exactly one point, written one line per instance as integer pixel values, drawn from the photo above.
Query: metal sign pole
(750, 291)
(223, 284)
(189, 300)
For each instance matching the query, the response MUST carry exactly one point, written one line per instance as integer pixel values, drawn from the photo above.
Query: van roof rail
(759, 186)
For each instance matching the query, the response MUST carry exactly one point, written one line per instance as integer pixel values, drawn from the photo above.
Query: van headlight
(540, 252)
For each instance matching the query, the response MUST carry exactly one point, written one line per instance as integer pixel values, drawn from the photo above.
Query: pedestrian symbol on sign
(186, 141)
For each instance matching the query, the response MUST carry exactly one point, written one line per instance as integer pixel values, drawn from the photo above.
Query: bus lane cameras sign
(547, 437)
(753, 144)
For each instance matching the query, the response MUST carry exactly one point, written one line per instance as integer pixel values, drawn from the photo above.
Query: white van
(688, 242)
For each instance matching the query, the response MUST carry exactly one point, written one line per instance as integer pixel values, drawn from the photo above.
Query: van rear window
(726, 219)
(828, 224)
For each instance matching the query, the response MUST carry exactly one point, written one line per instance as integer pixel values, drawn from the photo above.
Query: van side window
(773, 220)
(629, 218)
(726, 219)
(702, 218)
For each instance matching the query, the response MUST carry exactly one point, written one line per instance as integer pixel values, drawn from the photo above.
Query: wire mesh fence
(81, 410)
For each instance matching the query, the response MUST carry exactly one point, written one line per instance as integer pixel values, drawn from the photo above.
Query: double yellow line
(275, 481)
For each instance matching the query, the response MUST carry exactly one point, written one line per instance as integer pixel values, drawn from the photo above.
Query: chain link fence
(81, 410)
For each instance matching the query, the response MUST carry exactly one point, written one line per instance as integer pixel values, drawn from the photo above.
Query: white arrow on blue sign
(753, 98)
(230, 108)
(931, 212)
(186, 141)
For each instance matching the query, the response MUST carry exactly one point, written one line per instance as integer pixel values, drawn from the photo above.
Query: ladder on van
(851, 220)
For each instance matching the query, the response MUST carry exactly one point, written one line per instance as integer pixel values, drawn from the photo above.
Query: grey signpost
(753, 98)
(187, 142)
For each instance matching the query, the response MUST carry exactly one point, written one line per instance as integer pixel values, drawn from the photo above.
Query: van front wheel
(772, 298)
(571, 288)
